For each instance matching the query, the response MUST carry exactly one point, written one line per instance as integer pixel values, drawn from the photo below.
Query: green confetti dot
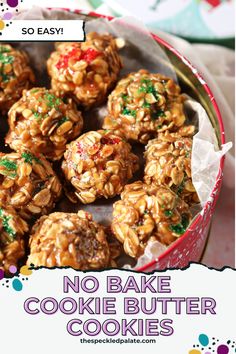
(168, 213)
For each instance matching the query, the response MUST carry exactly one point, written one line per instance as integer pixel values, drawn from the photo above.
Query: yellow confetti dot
(2, 25)
(194, 351)
(26, 271)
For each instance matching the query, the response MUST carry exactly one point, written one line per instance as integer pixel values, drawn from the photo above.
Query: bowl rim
(202, 81)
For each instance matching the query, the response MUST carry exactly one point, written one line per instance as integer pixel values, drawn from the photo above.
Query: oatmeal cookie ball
(43, 123)
(146, 212)
(15, 75)
(12, 231)
(98, 164)
(86, 71)
(144, 104)
(28, 183)
(68, 239)
(168, 162)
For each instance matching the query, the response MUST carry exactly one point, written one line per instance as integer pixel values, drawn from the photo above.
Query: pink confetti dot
(7, 16)
(12, 269)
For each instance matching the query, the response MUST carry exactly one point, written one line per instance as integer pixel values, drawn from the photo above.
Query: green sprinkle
(180, 188)
(52, 101)
(180, 228)
(142, 89)
(146, 81)
(9, 165)
(5, 77)
(151, 89)
(6, 59)
(34, 90)
(4, 49)
(62, 120)
(58, 101)
(148, 87)
(157, 114)
(125, 97)
(146, 105)
(161, 113)
(5, 223)
(29, 158)
(168, 213)
(146, 212)
(38, 116)
(129, 112)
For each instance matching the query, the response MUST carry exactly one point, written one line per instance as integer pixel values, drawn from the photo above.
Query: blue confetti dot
(203, 339)
(17, 285)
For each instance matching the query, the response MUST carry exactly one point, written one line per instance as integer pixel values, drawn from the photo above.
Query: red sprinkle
(80, 148)
(111, 141)
(88, 55)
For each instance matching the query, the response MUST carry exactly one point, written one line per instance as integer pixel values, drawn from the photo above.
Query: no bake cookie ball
(12, 231)
(28, 183)
(15, 75)
(98, 164)
(68, 239)
(43, 123)
(144, 104)
(86, 71)
(147, 213)
(168, 162)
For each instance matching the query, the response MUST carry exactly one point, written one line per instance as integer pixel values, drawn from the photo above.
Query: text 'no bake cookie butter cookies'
(144, 104)
(85, 71)
(148, 213)
(12, 231)
(28, 183)
(98, 164)
(15, 75)
(43, 123)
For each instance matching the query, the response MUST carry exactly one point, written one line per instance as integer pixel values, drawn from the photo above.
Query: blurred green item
(95, 3)
(198, 21)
